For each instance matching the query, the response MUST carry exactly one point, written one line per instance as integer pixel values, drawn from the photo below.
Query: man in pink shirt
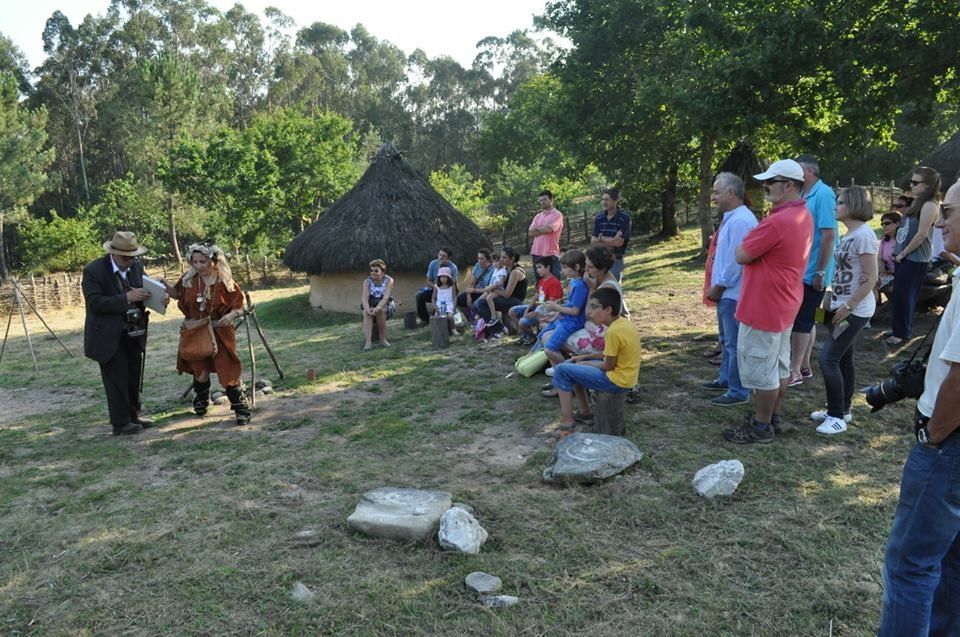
(774, 256)
(545, 230)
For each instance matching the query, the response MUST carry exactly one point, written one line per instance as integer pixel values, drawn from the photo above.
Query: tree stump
(608, 413)
(439, 331)
(410, 320)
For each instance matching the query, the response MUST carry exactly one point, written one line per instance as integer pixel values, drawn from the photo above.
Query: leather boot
(238, 403)
(201, 399)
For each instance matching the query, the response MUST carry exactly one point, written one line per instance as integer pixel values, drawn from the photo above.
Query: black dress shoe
(129, 428)
(143, 421)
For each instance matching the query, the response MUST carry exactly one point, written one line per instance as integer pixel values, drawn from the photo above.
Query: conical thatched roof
(393, 214)
(744, 162)
(945, 160)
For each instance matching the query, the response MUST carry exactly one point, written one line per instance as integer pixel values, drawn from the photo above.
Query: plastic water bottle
(443, 307)
(541, 296)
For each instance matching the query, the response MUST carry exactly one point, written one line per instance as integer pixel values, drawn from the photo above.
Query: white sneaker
(831, 426)
(821, 414)
(549, 372)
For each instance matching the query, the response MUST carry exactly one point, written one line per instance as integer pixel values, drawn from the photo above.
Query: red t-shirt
(773, 283)
(552, 289)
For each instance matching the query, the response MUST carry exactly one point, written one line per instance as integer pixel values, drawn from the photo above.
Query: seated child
(445, 296)
(498, 280)
(530, 316)
(615, 370)
(571, 315)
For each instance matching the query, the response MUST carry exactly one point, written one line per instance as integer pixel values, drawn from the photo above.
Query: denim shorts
(566, 375)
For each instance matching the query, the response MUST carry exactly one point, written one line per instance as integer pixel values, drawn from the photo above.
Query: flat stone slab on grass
(587, 458)
(401, 514)
(721, 478)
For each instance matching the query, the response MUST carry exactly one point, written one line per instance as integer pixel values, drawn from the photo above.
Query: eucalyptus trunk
(707, 147)
(668, 203)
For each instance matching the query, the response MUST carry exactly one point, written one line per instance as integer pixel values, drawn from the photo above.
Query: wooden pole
(23, 319)
(16, 287)
(253, 365)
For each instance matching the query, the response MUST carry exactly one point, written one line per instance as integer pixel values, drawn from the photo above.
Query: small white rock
(460, 531)
(300, 592)
(500, 601)
(483, 582)
(305, 534)
(721, 478)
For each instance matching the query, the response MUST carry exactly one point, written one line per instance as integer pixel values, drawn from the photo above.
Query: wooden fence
(61, 291)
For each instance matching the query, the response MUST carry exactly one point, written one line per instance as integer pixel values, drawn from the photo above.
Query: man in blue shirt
(725, 281)
(822, 204)
(611, 228)
(425, 293)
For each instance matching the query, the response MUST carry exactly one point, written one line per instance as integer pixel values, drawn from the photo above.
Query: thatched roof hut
(744, 162)
(393, 214)
(946, 161)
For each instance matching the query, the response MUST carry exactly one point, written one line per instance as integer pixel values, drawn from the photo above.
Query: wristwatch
(820, 273)
(923, 437)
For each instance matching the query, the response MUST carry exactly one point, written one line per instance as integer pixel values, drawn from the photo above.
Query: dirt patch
(22, 402)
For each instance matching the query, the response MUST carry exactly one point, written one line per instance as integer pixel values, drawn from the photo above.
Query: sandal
(583, 419)
(550, 393)
(894, 341)
(547, 387)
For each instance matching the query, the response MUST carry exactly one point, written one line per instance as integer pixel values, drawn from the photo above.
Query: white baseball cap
(783, 168)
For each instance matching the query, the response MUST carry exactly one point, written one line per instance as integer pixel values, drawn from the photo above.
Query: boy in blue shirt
(571, 315)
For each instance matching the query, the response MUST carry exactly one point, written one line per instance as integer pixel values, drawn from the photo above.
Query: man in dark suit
(114, 333)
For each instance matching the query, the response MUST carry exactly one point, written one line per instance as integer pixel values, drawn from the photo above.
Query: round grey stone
(587, 458)
(483, 582)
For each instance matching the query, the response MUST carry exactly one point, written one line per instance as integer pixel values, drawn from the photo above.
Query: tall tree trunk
(3, 253)
(174, 245)
(707, 147)
(668, 203)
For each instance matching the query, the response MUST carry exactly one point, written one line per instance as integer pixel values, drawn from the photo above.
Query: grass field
(190, 528)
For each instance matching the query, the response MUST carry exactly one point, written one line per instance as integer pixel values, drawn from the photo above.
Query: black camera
(906, 382)
(136, 322)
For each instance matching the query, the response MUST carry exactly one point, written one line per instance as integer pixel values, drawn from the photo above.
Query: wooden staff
(251, 310)
(253, 361)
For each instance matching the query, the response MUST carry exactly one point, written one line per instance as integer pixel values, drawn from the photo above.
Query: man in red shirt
(545, 229)
(774, 256)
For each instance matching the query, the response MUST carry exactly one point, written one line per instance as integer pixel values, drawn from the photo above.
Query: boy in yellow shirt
(615, 370)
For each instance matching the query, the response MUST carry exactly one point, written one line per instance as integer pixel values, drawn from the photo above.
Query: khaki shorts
(763, 357)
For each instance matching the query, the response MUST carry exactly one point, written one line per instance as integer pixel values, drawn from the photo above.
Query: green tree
(465, 194)
(58, 244)
(24, 157)
(264, 183)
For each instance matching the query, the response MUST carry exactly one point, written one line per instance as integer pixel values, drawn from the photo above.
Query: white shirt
(946, 350)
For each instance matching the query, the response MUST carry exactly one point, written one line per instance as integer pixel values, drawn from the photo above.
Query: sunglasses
(914, 182)
(767, 182)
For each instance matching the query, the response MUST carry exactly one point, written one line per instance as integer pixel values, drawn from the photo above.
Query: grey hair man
(725, 282)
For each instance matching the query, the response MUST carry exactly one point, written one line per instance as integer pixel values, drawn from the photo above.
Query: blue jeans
(836, 365)
(566, 375)
(921, 569)
(729, 328)
(907, 281)
(617, 269)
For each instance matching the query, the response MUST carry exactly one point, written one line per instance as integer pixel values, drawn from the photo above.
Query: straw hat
(125, 244)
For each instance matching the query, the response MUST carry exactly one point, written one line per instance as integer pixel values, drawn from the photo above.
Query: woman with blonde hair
(852, 302)
(207, 291)
(375, 302)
